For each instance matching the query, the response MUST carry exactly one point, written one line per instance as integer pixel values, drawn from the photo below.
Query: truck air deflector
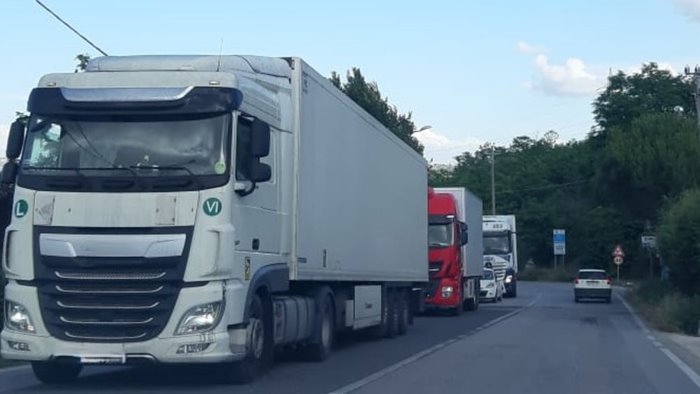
(153, 101)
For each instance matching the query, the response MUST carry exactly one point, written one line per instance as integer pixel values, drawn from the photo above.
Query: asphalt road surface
(541, 342)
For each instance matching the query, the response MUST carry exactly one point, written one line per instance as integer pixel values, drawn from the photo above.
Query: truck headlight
(201, 318)
(447, 291)
(509, 278)
(17, 318)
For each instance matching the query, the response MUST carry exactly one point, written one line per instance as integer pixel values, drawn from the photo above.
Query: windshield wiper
(78, 170)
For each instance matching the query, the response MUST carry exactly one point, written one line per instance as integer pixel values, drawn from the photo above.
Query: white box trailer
(236, 203)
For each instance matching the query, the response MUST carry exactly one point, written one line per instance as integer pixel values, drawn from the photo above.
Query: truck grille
(108, 299)
(432, 288)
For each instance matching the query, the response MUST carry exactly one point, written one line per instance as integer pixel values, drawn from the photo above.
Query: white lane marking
(412, 359)
(692, 375)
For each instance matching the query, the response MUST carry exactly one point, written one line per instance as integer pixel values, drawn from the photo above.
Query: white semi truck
(501, 250)
(205, 209)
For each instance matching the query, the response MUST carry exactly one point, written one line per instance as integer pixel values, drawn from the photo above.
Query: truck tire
(259, 350)
(394, 314)
(56, 372)
(323, 349)
(404, 312)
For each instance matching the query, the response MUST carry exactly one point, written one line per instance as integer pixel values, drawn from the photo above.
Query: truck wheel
(56, 372)
(259, 348)
(404, 312)
(394, 314)
(514, 293)
(321, 350)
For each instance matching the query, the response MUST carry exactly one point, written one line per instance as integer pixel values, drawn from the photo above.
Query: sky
(475, 72)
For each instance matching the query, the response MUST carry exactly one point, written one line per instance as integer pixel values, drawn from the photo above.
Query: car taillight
(608, 280)
(576, 281)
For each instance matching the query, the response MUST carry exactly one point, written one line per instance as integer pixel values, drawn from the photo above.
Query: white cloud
(524, 47)
(441, 149)
(572, 78)
(691, 8)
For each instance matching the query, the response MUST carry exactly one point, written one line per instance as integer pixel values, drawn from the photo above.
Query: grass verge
(665, 308)
(559, 274)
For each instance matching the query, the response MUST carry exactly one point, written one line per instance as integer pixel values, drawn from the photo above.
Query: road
(541, 342)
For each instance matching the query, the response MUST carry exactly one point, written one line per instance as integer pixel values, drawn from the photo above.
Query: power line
(71, 27)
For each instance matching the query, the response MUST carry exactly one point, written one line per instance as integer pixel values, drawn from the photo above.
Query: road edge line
(424, 353)
(685, 368)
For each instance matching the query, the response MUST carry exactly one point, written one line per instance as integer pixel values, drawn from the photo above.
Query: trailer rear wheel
(394, 313)
(56, 372)
(405, 312)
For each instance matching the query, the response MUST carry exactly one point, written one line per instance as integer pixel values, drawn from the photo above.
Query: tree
(678, 239)
(652, 90)
(83, 59)
(367, 95)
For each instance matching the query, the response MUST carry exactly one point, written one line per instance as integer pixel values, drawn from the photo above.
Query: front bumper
(225, 344)
(163, 350)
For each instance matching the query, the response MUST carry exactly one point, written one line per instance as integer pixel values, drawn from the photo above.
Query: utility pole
(493, 181)
(696, 74)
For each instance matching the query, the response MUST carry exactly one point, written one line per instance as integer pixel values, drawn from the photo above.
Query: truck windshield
(496, 243)
(440, 235)
(119, 146)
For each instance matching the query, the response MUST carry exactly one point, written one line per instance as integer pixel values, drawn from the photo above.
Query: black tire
(56, 372)
(394, 314)
(259, 350)
(404, 313)
(514, 293)
(323, 349)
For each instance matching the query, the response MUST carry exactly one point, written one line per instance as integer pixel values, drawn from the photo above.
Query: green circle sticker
(219, 167)
(21, 208)
(212, 206)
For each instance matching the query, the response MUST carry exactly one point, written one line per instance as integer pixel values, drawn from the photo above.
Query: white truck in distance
(205, 209)
(501, 250)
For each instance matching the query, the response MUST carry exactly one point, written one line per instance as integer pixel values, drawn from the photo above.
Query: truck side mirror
(260, 139)
(463, 233)
(15, 139)
(9, 173)
(260, 172)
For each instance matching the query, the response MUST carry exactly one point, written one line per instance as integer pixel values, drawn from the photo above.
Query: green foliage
(679, 239)
(665, 308)
(650, 91)
(367, 95)
(82, 59)
(564, 273)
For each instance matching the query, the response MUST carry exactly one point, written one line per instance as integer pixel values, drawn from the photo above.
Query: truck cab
(500, 250)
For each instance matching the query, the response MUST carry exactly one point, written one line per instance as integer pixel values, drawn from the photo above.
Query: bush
(565, 273)
(665, 308)
(679, 233)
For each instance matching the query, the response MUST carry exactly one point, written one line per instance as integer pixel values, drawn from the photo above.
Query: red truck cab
(446, 235)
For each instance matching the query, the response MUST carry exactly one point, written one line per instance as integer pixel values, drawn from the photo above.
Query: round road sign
(618, 260)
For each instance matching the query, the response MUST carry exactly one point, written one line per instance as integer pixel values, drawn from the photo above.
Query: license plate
(102, 360)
